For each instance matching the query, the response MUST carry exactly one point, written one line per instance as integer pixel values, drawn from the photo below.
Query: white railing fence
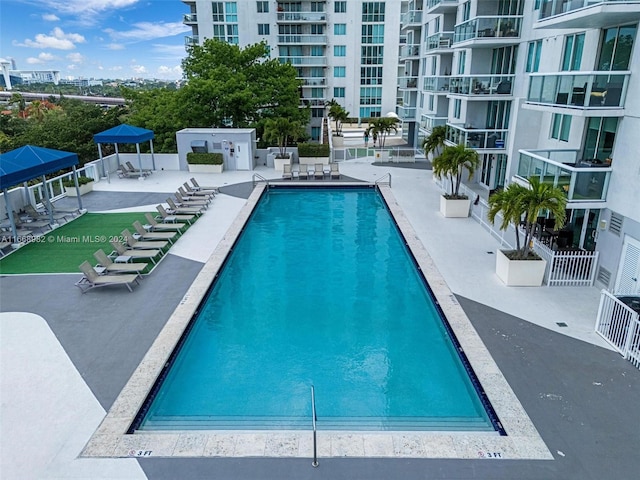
(620, 326)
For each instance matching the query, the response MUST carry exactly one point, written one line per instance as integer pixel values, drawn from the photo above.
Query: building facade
(342, 50)
(546, 88)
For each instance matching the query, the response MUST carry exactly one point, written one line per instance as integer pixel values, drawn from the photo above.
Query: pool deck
(72, 354)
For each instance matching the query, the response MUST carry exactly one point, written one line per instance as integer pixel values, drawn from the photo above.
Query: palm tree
(518, 203)
(379, 128)
(338, 114)
(279, 130)
(452, 162)
(434, 143)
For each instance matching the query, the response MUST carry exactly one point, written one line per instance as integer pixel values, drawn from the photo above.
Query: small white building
(237, 145)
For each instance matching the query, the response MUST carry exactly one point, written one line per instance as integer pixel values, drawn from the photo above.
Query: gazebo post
(153, 158)
(105, 171)
(47, 199)
(75, 180)
(12, 221)
(141, 177)
(117, 155)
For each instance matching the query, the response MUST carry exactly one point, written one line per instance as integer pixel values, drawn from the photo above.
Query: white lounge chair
(91, 279)
(124, 253)
(154, 236)
(141, 244)
(335, 170)
(286, 172)
(111, 267)
(172, 218)
(318, 172)
(163, 227)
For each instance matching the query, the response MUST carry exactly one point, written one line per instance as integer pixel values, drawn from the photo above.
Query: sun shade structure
(125, 134)
(29, 162)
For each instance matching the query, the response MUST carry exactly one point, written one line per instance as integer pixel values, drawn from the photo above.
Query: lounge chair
(173, 209)
(302, 172)
(3, 246)
(126, 172)
(326, 170)
(145, 172)
(166, 227)
(190, 189)
(197, 186)
(37, 215)
(335, 171)
(195, 196)
(91, 279)
(142, 244)
(189, 202)
(123, 252)
(172, 218)
(317, 172)
(111, 267)
(286, 172)
(154, 236)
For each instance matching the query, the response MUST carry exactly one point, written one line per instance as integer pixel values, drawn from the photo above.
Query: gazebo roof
(29, 162)
(124, 134)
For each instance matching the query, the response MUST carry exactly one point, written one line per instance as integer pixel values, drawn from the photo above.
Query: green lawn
(62, 250)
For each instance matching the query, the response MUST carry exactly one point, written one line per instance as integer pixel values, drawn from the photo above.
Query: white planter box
(199, 168)
(71, 191)
(279, 163)
(313, 160)
(454, 208)
(520, 273)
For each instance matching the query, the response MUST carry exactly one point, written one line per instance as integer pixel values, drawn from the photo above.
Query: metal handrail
(381, 179)
(260, 179)
(313, 421)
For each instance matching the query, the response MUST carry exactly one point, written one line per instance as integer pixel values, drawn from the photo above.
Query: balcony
(479, 139)
(439, 43)
(437, 84)
(583, 92)
(310, 61)
(303, 39)
(406, 113)
(408, 51)
(302, 17)
(581, 180)
(313, 81)
(407, 83)
(440, 6)
(482, 86)
(313, 102)
(428, 122)
(190, 18)
(192, 40)
(488, 31)
(587, 13)
(411, 19)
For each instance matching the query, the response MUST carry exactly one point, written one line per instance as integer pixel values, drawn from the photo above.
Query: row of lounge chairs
(30, 223)
(146, 243)
(317, 171)
(127, 170)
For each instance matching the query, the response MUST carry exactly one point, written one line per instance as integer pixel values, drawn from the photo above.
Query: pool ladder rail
(383, 180)
(313, 422)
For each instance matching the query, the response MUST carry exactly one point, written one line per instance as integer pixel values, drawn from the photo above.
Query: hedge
(204, 158)
(313, 150)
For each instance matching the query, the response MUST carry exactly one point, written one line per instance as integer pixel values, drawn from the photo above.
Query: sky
(106, 39)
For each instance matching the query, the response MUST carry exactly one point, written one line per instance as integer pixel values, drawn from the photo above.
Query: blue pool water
(319, 290)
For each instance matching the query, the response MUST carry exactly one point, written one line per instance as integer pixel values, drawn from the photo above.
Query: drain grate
(561, 324)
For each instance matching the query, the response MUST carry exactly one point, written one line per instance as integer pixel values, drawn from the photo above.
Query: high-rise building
(545, 88)
(342, 50)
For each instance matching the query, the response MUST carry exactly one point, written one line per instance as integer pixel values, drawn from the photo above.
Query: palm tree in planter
(280, 130)
(521, 205)
(434, 143)
(451, 164)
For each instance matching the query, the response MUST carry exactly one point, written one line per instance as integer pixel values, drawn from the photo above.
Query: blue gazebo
(125, 134)
(25, 163)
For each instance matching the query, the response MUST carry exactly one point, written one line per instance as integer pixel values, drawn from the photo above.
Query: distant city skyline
(106, 39)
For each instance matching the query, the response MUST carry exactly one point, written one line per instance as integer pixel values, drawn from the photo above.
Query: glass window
(339, 50)
(263, 29)
(457, 107)
(317, 112)
(338, 92)
(561, 127)
(231, 9)
(573, 46)
(373, 33)
(317, 51)
(371, 76)
(430, 102)
(462, 56)
(315, 133)
(317, 6)
(371, 55)
(340, 7)
(263, 7)
(339, 72)
(232, 34)
(370, 112)
(600, 138)
(373, 12)
(533, 56)
(317, 92)
(219, 32)
(466, 11)
(339, 28)
(615, 48)
(370, 95)
(217, 9)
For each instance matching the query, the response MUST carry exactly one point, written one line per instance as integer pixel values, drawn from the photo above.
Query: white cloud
(57, 39)
(34, 61)
(75, 58)
(85, 8)
(42, 58)
(72, 67)
(149, 31)
(169, 72)
(117, 68)
(139, 69)
(170, 51)
(115, 46)
(50, 17)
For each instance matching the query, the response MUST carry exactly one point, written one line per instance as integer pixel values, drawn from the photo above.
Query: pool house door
(629, 269)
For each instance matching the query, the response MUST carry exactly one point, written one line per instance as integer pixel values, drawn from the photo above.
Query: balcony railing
(407, 82)
(313, 81)
(550, 8)
(428, 122)
(302, 17)
(579, 89)
(190, 18)
(442, 40)
(303, 39)
(409, 51)
(192, 40)
(412, 17)
(581, 180)
(310, 60)
(439, 6)
(488, 28)
(482, 85)
(313, 102)
(491, 138)
(406, 113)
(438, 84)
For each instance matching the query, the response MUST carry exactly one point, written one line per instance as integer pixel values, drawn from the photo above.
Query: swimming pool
(319, 289)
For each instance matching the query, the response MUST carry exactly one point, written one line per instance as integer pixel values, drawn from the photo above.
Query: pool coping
(521, 442)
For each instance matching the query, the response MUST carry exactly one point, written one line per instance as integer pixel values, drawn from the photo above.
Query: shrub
(205, 158)
(313, 150)
(69, 183)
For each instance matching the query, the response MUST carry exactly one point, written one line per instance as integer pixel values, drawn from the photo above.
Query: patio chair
(335, 171)
(37, 215)
(145, 172)
(213, 192)
(318, 172)
(200, 197)
(302, 172)
(91, 279)
(3, 246)
(154, 236)
(142, 244)
(197, 186)
(124, 172)
(188, 202)
(286, 172)
(326, 170)
(167, 218)
(111, 267)
(173, 209)
(167, 227)
(124, 253)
